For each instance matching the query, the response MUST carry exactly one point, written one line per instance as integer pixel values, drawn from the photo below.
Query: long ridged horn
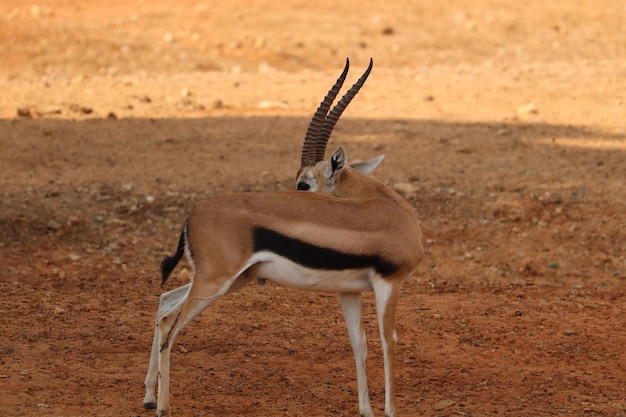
(335, 113)
(309, 147)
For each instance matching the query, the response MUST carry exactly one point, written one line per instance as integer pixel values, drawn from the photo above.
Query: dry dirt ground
(503, 124)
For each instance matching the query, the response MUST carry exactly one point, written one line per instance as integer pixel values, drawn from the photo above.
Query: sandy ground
(503, 124)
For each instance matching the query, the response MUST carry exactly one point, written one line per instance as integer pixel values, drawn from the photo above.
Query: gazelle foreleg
(386, 292)
(351, 305)
(167, 301)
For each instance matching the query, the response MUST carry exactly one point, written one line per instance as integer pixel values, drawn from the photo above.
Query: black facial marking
(317, 257)
(303, 186)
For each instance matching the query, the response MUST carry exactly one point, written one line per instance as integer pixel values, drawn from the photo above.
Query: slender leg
(166, 302)
(170, 326)
(386, 293)
(351, 305)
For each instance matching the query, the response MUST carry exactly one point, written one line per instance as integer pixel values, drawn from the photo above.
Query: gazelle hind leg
(170, 327)
(351, 305)
(386, 292)
(167, 302)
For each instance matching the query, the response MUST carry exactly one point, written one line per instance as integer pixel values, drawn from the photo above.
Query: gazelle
(351, 234)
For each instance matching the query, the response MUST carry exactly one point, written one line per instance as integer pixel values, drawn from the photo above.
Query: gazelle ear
(336, 164)
(366, 167)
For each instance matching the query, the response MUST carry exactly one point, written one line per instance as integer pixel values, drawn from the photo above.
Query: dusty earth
(503, 123)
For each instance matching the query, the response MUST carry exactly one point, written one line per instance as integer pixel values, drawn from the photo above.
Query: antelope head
(324, 176)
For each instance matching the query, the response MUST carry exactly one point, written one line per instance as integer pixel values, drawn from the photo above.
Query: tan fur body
(357, 225)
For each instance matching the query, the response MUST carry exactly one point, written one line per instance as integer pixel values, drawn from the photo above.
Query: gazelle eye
(302, 186)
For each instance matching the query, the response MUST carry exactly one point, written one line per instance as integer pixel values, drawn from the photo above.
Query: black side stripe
(317, 257)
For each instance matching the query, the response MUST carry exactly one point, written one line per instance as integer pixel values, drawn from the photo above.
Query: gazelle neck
(353, 184)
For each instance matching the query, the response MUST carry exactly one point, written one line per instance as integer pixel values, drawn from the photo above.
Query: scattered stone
(265, 68)
(74, 257)
(569, 333)
(405, 189)
(50, 111)
(24, 112)
(149, 199)
(217, 104)
(185, 92)
(52, 193)
(273, 105)
(168, 37)
(527, 109)
(53, 225)
(76, 108)
(442, 405)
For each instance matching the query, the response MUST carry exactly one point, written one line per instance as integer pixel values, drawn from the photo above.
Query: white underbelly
(290, 274)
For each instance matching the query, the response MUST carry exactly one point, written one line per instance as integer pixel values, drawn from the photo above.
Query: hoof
(150, 406)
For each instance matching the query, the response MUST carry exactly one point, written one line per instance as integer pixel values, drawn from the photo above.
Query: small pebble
(24, 112)
(53, 225)
(273, 105)
(405, 189)
(526, 109)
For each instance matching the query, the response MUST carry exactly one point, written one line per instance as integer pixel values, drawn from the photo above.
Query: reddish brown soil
(504, 124)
